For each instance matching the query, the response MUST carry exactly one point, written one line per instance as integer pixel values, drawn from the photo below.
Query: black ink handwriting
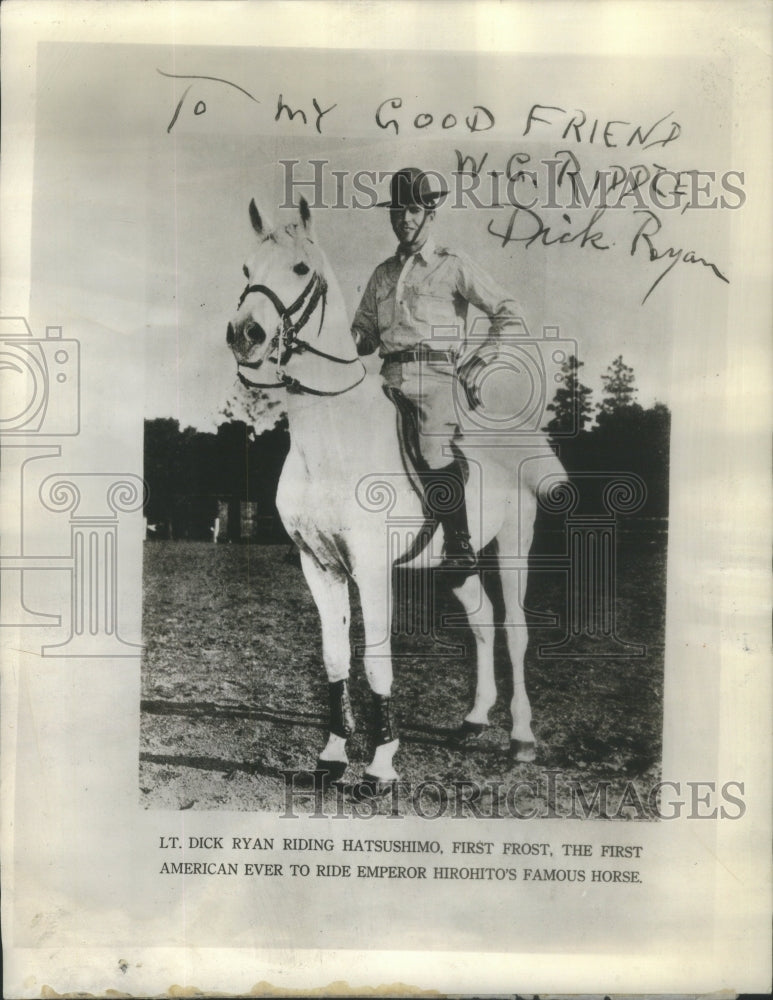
(281, 106)
(200, 107)
(611, 133)
(643, 238)
(215, 79)
(479, 120)
(532, 229)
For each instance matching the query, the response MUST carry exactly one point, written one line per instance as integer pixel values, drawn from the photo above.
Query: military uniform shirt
(424, 298)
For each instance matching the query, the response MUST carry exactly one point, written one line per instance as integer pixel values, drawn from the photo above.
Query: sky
(142, 182)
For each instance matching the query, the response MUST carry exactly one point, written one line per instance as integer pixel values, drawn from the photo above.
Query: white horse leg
(522, 741)
(515, 540)
(331, 595)
(376, 599)
(480, 615)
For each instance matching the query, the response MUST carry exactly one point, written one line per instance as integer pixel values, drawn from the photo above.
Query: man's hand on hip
(470, 374)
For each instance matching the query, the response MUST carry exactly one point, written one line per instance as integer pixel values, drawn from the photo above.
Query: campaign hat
(411, 187)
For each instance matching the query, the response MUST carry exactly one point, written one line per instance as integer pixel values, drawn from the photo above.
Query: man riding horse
(343, 473)
(417, 296)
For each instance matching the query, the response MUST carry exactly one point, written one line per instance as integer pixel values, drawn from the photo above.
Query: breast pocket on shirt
(438, 313)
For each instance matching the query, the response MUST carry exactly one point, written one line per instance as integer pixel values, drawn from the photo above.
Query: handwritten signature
(526, 226)
(643, 238)
(536, 230)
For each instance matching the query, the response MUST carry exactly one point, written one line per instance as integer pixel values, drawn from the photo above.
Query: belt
(405, 357)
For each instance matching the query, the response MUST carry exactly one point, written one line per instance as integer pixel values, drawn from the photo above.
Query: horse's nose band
(276, 302)
(316, 291)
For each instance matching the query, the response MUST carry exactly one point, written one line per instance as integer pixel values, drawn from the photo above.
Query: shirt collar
(425, 252)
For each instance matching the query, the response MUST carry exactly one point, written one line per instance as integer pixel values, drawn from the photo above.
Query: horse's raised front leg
(331, 595)
(480, 616)
(374, 584)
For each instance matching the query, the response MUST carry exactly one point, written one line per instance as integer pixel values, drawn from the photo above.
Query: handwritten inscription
(388, 116)
(546, 199)
(564, 184)
(200, 107)
(283, 110)
(643, 242)
(559, 183)
(320, 113)
(526, 226)
(578, 127)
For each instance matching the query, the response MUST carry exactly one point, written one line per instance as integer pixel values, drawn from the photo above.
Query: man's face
(411, 226)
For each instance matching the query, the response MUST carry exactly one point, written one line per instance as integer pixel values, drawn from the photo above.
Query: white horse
(344, 470)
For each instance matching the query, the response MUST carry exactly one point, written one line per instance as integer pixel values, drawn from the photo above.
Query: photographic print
(324, 462)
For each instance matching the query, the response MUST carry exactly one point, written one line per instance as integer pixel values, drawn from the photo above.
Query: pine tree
(619, 388)
(571, 403)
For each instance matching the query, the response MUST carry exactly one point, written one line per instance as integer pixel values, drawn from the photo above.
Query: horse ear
(305, 213)
(255, 219)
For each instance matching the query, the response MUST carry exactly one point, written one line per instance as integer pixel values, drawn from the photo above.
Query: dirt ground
(234, 692)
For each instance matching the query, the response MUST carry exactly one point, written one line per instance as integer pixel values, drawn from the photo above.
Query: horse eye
(245, 270)
(301, 268)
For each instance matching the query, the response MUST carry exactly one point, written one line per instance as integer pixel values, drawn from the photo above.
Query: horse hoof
(324, 774)
(370, 787)
(328, 772)
(467, 735)
(523, 751)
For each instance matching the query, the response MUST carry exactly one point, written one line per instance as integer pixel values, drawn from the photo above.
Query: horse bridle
(288, 329)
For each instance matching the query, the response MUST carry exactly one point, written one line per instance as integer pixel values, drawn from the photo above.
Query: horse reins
(315, 291)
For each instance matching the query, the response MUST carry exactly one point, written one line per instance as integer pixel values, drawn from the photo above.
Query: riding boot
(444, 492)
(381, 775)
(332, 762)
(384, 729)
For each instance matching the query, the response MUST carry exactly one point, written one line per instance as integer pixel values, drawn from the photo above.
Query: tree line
(625, 437)
(191, 474)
